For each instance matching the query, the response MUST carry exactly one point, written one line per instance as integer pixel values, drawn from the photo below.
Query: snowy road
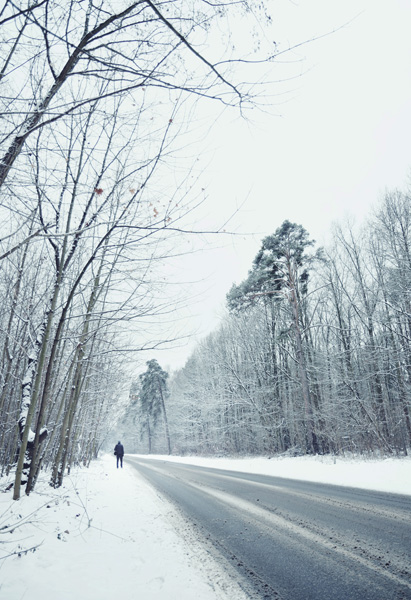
(295, 540)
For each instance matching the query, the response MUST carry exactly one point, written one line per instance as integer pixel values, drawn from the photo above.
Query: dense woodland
(93, 96)
(314, 355)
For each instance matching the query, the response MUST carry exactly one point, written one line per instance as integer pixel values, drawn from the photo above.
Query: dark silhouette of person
(119, 452)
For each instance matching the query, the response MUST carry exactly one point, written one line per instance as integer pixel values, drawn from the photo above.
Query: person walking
(119, 452)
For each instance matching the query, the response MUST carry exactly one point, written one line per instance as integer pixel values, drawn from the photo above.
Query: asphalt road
(294, 540)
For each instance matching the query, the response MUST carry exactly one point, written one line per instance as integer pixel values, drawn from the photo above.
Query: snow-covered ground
(387, 475)
(108, 534)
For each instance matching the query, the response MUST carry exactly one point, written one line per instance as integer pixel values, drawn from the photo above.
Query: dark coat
(119, 450)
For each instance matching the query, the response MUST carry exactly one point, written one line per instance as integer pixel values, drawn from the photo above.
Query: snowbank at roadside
(385, 475)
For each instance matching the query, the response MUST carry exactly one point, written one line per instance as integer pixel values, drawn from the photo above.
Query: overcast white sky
(337, 135)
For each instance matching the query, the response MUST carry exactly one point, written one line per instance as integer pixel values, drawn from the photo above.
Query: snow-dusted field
(387, 475)
(107, 534)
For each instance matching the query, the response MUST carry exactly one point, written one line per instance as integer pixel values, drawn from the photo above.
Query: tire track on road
(394, 569)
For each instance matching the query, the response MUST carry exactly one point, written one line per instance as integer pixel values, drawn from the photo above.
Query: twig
(21, 552)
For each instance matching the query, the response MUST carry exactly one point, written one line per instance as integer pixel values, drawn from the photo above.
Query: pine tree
(281, 271)
(152, 400)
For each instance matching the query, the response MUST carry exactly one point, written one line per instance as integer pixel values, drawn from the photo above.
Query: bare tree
(244, 381)
(56, 49)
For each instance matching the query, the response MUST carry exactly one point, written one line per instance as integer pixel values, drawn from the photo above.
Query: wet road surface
(294, 540)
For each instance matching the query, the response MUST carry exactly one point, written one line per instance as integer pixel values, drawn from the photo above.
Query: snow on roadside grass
(105, 534)
(384, 475)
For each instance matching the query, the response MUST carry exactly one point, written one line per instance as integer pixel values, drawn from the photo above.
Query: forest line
(94, 192)
(313, 355)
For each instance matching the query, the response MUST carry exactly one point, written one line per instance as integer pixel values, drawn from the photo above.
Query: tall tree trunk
(27, 412)
(302, 366)
(163, 407)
